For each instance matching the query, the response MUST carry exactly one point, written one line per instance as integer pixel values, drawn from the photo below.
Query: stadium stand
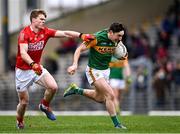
(142, 42)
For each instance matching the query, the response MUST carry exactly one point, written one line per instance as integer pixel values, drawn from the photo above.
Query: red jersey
(36, 43)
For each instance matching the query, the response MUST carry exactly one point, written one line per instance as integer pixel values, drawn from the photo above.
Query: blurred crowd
(155, 41)
(159, 42)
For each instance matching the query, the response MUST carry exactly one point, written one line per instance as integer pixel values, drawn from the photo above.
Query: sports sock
(45, 103)
(115, 120)
(19, 119)
(79, 91)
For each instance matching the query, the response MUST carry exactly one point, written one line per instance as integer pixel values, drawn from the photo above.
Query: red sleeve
(51, 32)
(23, 38)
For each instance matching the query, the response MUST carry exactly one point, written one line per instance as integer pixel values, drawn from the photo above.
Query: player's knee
(24, 102)
(99, 97)
(110, 96)
(54, 88)
(101, 100)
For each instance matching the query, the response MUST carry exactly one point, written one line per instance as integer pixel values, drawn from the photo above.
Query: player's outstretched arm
(74, 34)
(72, 69)
(69, 34)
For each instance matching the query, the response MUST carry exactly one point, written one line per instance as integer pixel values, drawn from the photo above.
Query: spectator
(176, 74)
(51, 64)
(160, 85)
(67, 45)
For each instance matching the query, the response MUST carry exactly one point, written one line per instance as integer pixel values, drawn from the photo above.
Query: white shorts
(25, 78)
(117, 84)
(94, 74)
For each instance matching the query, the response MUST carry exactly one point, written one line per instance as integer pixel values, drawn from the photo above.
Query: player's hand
(87, 37)
(36, 68)
(128, 80)
(72, 69)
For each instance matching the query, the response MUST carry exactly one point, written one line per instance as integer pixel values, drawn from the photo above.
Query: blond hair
(36, 12)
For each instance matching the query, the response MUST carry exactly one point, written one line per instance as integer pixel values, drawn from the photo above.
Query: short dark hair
(116, 27)
(36, 12)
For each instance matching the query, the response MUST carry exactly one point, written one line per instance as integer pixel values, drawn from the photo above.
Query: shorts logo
(97, 74)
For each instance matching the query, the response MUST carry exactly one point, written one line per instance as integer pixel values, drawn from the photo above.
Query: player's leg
(120, 96)
(90, 93)
(92, 75)
(49, 83)
(118, 86)
(23, 79)
(117, 101)
(114, 83)
(105, 90)
(51, 87)
(121, 90)
(102, 93)
(21, 108)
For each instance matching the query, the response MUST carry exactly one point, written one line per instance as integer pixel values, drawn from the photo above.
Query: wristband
(32, 63)
(80, 35)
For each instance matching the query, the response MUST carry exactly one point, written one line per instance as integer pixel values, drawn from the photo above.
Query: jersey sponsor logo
(36, 46)
(104, 50)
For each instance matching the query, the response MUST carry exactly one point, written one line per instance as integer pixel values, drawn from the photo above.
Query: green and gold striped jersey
(101, 51)
(116, 70)
(116, 67)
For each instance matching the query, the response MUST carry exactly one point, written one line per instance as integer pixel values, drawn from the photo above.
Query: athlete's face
(115, 37)
(39, 21)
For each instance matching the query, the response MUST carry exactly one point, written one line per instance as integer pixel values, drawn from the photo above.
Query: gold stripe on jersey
(91, 75)
(119, 63)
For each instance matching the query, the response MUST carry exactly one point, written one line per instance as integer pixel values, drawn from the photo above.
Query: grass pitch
(92, 124)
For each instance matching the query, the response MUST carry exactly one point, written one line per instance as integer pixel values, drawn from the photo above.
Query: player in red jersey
(31, 42)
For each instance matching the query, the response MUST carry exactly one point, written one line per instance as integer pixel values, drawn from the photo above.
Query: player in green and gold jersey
(120, 78)
(101, 50)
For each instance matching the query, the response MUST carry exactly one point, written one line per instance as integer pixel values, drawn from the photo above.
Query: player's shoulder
(48, 31)
(47, 28)
(25, 33)
(102, 35)
(25, 29)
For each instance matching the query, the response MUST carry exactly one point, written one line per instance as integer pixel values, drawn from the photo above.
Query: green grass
(92, 124)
